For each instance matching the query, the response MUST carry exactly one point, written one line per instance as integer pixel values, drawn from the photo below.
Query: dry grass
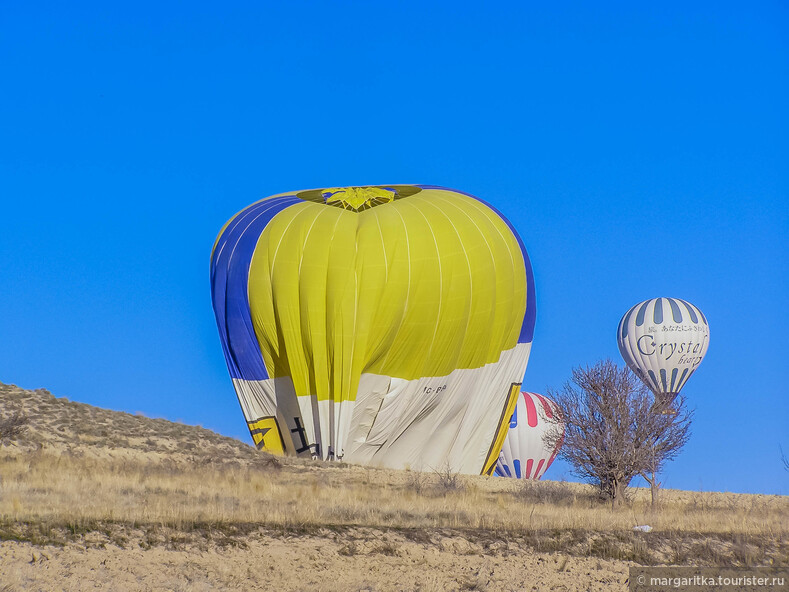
(46, 486)
(154, 488)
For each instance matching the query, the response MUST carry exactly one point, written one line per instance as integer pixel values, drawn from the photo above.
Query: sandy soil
(359, 559)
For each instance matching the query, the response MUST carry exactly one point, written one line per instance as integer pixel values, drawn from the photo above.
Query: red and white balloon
(525, 454)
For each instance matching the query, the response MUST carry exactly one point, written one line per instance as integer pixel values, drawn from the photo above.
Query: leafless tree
(613, 431)
(784, 460)
(670, 431)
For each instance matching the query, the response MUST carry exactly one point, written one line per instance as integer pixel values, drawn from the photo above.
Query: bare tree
(669, 432)
(784, 460)
(612, 432)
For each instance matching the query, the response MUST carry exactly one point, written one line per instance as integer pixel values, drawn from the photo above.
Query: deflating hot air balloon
(663, 340)
(386, 325)
(527, 453)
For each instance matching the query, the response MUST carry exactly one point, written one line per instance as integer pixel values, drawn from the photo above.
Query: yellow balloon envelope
(387, 325)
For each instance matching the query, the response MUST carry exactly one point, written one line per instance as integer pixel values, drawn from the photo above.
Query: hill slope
(57, 424)
(124, 498)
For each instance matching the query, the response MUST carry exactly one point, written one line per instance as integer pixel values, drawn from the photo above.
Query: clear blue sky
(640, 150)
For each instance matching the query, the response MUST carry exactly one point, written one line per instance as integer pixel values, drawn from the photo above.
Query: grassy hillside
(104, 478)
(57, 425)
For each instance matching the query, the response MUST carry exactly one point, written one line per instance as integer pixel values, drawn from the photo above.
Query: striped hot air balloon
(386, 325)
(526, 454)
(663, 340)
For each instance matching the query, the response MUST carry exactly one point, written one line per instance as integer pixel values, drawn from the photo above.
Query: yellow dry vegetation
(68, 488)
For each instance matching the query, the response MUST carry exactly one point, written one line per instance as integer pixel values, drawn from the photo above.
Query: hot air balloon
(663, 341)
(526, 453)
(383, 325)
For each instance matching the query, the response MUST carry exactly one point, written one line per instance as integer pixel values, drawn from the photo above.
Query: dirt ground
(360, 559)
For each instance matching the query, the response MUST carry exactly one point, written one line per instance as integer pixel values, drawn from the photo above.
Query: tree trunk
(618, 494)
(654, 486)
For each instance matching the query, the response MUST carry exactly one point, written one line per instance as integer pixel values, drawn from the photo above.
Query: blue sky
(640, 151)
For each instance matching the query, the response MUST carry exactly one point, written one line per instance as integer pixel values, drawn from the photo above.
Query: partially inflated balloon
(663, 341)
(527, 453)
(386, 325)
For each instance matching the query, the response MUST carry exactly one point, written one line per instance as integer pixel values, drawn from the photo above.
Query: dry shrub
(12, 426)
(550, 492)
(416, 481)
(449, 481)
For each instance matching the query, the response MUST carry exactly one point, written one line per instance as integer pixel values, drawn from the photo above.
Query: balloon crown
(358, 199)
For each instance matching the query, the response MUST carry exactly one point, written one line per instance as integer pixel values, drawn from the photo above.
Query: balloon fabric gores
(385, 325)
(526, 453)
(663, 340)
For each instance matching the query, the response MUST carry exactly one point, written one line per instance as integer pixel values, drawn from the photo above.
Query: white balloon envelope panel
(387, 325)
(663, 341)
(525, 453)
